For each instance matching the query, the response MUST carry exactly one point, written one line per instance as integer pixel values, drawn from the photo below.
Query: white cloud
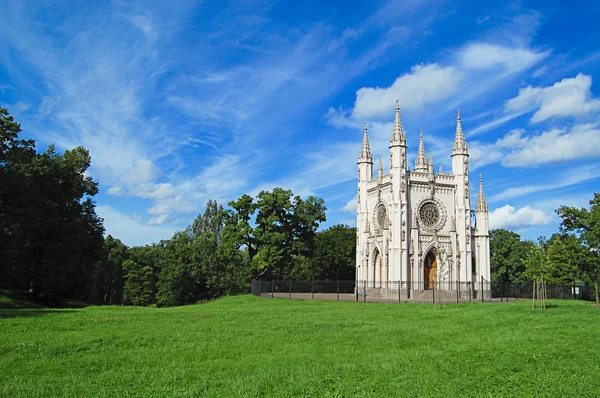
(130, 230)
(351, 205)
(487, 56)
(424, 84)
(516, 149)
(145, 24)
(158, 220)
(540, 72)
(583, 141)
(509, 217)
(571, 97)
(474, 69)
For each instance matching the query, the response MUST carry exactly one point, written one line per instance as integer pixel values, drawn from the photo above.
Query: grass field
(248, 346)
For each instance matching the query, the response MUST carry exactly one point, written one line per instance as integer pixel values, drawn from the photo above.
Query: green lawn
(248, 346)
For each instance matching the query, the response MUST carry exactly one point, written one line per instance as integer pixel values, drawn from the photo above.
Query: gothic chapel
(414, 226)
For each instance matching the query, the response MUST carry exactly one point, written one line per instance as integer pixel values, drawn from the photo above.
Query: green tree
(16, 155)
(139, 283)
(199, 265)
(586, 224)
(566, 258)
(50, 235)
(334, 256)
(277, 229)
(107, 281)
(536, 262)
(507, 253)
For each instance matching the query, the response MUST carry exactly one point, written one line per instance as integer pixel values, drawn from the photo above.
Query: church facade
(414, 227)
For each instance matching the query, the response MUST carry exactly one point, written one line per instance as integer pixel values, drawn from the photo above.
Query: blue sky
(183, 101)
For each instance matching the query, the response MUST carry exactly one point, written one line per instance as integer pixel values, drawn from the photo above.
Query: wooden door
(430, 271)
(433, 274)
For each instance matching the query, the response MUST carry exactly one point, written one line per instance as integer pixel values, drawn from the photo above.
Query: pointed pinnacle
(482, 204)
(459, 140)
(365, 151)
(421, 161)
(398, 133)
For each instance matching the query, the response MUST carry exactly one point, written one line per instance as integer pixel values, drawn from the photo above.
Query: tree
(49, 232)
(586, 223)
(198, 264)
(107, 280)
(536, 262)
(566, 258)
(15, 189)
(507, 253)
(334, 256)
(139, 282)
(281, 234)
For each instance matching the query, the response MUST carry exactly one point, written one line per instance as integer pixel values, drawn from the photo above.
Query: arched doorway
(377, 269)
(430, 270)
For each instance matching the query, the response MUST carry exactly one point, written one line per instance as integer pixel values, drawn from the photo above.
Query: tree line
(52, 244)
(569, 255)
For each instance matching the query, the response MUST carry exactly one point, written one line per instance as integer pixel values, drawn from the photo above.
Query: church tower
(482, 236)
(365, 174)
(460, 170)
(398, 210)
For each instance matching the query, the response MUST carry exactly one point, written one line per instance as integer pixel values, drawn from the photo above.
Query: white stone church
(415, 226)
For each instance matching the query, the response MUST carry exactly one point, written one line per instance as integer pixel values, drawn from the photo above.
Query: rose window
(429, 214)
(381, 216)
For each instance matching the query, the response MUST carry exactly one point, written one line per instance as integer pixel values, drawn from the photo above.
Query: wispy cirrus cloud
(562, 179)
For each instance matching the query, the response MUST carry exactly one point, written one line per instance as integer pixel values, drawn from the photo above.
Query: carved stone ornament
(431, 214)
(380, 218)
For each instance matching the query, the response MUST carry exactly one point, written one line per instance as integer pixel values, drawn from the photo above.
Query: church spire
(380, 170)
(441, 171)
(365, 152)
(460, 146)
(482, 205)
(421, 162)
(398, 137)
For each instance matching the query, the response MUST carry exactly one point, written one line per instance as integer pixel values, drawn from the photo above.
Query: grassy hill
(248, 346)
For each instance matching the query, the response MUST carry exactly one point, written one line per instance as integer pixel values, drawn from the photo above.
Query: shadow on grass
(28, 313)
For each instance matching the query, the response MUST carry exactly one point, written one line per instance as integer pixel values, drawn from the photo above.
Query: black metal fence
(446, 292)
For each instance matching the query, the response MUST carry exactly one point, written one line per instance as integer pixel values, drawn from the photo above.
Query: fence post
(356, 288)
(399, 291)
(338, 290)
(481, 290)
(290, 288)
(313, 289)
(469, 289)
(364, 291)
(433, 295)
(456, 294)
(272, 288)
